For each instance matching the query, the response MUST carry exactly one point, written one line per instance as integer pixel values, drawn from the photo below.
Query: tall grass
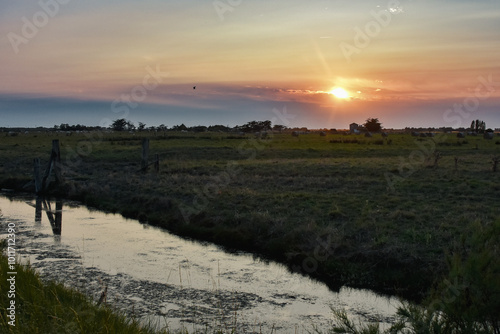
(466, 301)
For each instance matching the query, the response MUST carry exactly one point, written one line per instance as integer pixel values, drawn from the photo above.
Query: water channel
(170, 281)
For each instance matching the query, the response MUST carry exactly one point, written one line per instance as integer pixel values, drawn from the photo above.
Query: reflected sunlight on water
(144, 255)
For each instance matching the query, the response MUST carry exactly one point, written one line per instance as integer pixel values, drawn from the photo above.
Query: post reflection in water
(38, 210)
(55, 217)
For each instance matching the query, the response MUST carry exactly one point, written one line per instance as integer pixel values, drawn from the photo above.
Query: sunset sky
(408, 62)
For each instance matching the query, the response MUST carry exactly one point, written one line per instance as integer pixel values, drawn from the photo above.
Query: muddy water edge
(174, 282)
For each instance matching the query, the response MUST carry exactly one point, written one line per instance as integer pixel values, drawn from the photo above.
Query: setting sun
(340, 93)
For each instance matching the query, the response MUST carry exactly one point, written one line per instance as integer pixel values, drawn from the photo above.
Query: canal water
(172, 282)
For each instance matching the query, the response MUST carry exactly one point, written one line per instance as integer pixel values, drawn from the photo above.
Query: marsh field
(379, 213)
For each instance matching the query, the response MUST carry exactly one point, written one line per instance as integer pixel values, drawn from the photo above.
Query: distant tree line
(477, 126)
(371, 125)
(123, 124)
(78, 127)
(253, 126)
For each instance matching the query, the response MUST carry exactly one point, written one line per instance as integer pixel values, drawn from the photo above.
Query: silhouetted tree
(199, 128)
(141, 126)
(373, 125)
(119, 124)
(181, 127)
(256, 126)
(478, 126)
(219, 128)
(279, 127)
(130, 126)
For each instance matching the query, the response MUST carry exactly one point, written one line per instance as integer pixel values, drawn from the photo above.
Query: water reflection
(38, 210)
(160, 277)
(54, 217)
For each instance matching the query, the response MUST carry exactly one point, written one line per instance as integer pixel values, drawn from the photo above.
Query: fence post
(38, 210)
(54, 165)
(38, 179)
(58, 217)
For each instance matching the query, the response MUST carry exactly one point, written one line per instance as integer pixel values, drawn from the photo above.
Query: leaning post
(37, 176)
(54, 165)
(38, 210)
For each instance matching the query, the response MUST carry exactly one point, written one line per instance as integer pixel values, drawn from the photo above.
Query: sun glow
(339, 92)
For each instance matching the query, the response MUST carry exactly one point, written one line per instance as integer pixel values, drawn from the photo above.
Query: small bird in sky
(194, 87)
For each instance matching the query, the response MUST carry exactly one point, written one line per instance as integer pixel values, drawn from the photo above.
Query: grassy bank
(466, 301)
(366, 212)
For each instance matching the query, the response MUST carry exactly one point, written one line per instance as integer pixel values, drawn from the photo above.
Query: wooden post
(145, 153)
(55, 222)
(38, 210)
(54, 164)
(58, 221)
(48, 211)
(157, 163)
(38, 179)
(495, 163)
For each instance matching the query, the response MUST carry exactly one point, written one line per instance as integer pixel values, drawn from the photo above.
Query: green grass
(466, 301)
(320, 204)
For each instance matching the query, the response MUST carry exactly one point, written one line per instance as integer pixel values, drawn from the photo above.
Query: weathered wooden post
(38, 210)
(38, 179)
(48, 211)
(58, 221)
(495, 163)
(145, 153)
(54, 165)
(55, 222)
(157, 163)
